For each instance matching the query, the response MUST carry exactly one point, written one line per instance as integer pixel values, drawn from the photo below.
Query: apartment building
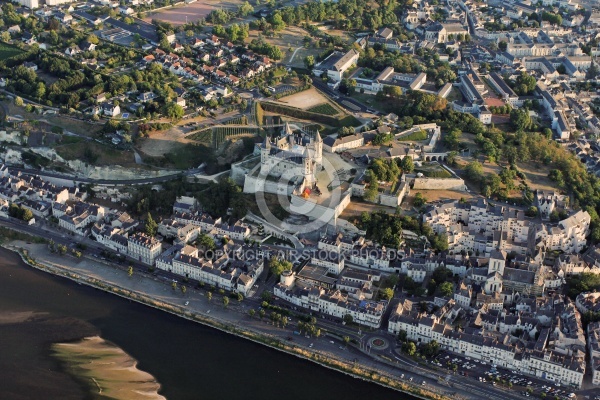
(143, 248)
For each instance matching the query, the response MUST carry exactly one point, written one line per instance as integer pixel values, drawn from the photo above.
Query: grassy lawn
(325, 108)
(75, 126)
(414, 137)
(434, 172)
(95, 154)
(7, 51)
(370, 101)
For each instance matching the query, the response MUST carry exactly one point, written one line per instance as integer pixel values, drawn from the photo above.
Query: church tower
(307, 163)
(318, 149)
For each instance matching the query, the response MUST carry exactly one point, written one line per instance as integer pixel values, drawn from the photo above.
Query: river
(188, 360)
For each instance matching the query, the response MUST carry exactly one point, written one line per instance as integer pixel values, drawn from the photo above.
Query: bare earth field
(436, 195)
(357, 207)
(537, 177)
(178, 15)
(163, 142)
(290, 37)
(305, 99)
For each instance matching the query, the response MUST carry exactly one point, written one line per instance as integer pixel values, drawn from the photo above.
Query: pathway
(294, 55)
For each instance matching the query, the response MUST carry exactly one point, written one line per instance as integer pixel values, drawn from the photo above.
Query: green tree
(348, 318)
(174, 285)
(387, 293)
(206, 241)
(410, 349)
(278, 266)
(151, 226)
(446, 289)
(402, 335)
(18, 101)
(309, 62)
(225, 301)
(240, 297)
(62, 249)
(474, 171)
(173, 111)
(407, 165)
(261, 314)
(27, 215)
(452, 139)
(284, 321)
(252, 313)
(183, 289)
(130, 271)
(532, 211)
(245, 9)
(93, 39)
(420, 200)
(520, 119)
(209, 296)
(346, 340)
(372, 191)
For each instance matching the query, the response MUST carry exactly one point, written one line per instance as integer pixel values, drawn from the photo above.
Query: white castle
(291, 155)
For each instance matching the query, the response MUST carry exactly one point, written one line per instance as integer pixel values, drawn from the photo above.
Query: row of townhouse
(496, 348)
(593, 342)
(576, 264)
(216, 227)
(330, 301)
(78, 217)
(228, 272)
(182, 233)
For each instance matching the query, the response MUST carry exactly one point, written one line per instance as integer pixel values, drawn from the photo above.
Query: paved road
(141, 181)
(338, 97)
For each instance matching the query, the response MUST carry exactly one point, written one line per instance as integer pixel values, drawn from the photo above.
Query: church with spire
(293, 153)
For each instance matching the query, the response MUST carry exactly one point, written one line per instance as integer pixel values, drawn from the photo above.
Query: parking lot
(486, 373)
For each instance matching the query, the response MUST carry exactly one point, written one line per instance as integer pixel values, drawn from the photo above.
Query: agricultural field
(325, 109)
(7, 51)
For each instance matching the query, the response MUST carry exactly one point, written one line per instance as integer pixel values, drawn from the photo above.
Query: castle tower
(265, 150)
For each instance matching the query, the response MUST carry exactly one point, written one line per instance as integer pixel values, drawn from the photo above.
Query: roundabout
(378, 343)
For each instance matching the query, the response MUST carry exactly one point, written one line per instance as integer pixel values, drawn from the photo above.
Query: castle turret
(287, 278)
